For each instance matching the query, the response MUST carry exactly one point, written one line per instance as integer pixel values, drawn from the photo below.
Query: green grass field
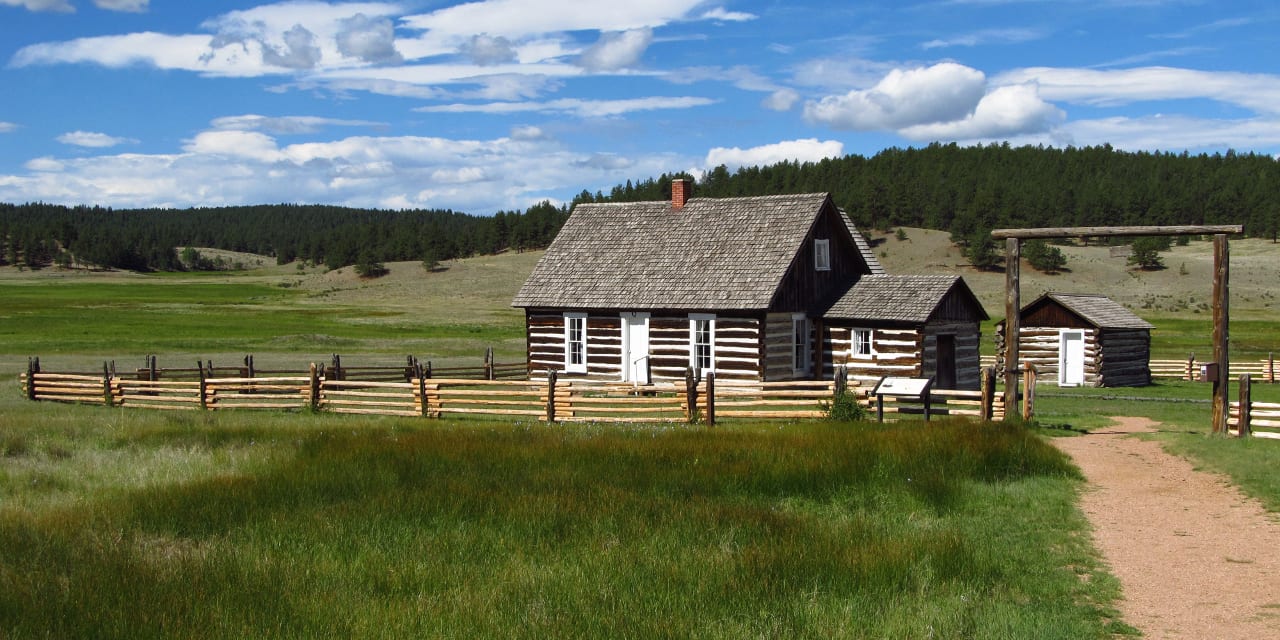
(119, 523)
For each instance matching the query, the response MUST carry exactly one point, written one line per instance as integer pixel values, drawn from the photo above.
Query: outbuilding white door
(1071, 359)
(635, 347)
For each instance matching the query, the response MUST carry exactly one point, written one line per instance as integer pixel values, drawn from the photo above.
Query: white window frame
(801, 348)
(821, 255)
(853, 343)
(694, 320)
(570, 319)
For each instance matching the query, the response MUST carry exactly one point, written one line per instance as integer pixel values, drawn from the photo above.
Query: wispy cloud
(579, 107)
(807, 150)
(1254, 91)
(93, 139)
(986, 37)
(6, 127)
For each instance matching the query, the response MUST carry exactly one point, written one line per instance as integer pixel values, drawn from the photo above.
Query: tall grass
(390, 528)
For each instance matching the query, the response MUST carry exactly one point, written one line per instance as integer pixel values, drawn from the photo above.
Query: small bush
(844, 407)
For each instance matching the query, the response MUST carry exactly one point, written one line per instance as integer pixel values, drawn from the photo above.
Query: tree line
(37, 235)
(969, 191)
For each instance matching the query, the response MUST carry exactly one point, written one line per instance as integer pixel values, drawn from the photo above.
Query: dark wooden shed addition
(1084, 339)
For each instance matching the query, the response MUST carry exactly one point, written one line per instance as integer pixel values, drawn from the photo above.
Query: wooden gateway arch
(1012, 303)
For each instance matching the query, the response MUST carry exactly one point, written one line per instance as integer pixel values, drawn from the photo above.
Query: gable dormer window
(822, 255)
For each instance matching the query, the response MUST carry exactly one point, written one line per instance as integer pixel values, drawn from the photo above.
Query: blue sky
(499, 104)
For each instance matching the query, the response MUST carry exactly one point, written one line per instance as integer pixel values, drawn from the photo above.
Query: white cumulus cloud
(1002, 113)
(807, 150)
(368, 39)
(944, 92)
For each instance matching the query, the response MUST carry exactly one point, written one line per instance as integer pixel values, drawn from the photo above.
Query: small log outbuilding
(912, 326)
(645, 291)
(1083, 339)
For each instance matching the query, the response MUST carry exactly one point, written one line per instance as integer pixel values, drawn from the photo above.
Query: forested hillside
(38, 235)
(970, 190)
(965, 190)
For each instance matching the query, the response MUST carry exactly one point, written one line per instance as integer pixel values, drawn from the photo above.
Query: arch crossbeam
(1221, 275)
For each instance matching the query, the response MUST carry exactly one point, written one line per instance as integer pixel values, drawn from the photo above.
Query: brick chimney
(680, 189)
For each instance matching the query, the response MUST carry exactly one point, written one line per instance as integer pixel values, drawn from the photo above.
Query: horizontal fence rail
(1190, 368)
(549, 398)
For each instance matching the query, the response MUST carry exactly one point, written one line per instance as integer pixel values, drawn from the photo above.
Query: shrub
(844, 407)
(1043, 257)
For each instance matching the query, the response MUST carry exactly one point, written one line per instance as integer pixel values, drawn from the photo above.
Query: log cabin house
(1083, 339)
(645, 291)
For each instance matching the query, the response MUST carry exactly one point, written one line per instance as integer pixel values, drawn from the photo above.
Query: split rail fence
(549, 398)
(1190, 368)
(1246, 417)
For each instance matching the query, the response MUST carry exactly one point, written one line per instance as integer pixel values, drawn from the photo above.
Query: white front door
(1071, 359)
(635, 347)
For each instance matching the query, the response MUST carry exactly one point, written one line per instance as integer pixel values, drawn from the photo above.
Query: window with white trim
(801, 343)
(863, 343)
(702, 342)
(822, 255)
(575, 342)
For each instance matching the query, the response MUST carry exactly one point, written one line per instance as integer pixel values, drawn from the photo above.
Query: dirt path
(1196, 558)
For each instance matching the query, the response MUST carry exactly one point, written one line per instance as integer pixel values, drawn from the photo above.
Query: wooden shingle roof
(904, 299)
(1096, 309)
(713, 253)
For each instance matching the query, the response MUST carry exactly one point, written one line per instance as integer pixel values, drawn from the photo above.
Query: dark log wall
(968, 338)
(1125, 356)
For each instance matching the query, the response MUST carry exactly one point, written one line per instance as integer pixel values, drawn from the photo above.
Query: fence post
(107, 398)
(315, 387)
(1029, 392)
(1271, 368)
(488, 363)
(1191, 367)
(422, 389)
(987, 388)
(841, 380)
(204, 387)
(411, 369)
(690, 395)
(551, 395)
(152, 374)
(426, 373)
(711, 398)
(32, 369)
(1245, 423)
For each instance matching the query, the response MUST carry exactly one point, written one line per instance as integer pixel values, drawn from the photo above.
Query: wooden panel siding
(804, 287)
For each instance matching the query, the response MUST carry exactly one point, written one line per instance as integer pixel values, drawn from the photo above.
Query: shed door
(1071, 359)
(635, 347)
(945, 376)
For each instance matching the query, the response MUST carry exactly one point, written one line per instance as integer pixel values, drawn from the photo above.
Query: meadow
(119, 523)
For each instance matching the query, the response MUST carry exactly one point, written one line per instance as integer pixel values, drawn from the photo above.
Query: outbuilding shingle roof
(1098, 310)
(906, 299)
(713, 253)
